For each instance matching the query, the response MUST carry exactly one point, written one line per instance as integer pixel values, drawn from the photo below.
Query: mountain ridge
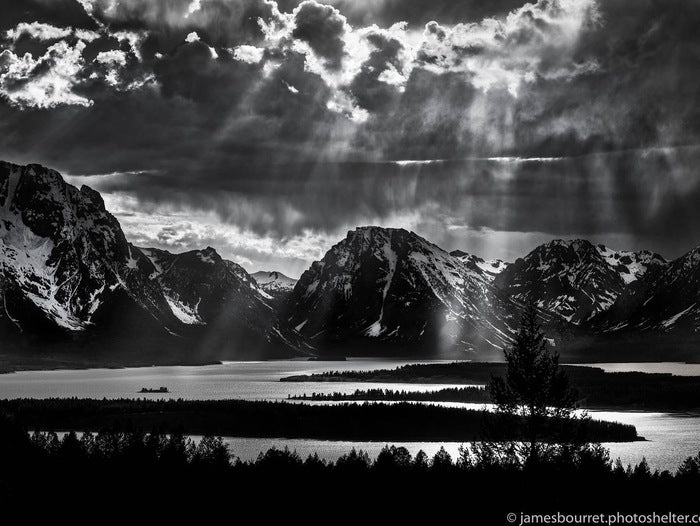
(66, 267)
(574, 278)
(68, 274)
(394, 288)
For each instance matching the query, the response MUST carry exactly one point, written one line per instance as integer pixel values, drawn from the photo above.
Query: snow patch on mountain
(491, 268)
(673, 319)
(376, 329)
(273, 281)
(26, 257)
(631, 265)
(185, 313)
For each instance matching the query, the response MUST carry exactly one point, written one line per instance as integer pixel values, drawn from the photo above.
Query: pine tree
(535, 389)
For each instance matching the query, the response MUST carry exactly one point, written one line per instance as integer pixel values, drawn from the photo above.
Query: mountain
(491, 268)
(68, 276)
(667, 300)
(575, 280)
(71, 282)
(390, 288)
(64, 260)
(274, 283)
(203, 289)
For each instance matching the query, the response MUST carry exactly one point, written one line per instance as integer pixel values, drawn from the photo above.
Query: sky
(268, 129)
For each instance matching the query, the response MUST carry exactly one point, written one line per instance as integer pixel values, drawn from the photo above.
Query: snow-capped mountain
(632, 266)
(491, 267)
(274, 283)
(203, 289)
(666, 300)
(392, 288)
(197, 285)
(64, 259)
(67, 273)
(574, 279)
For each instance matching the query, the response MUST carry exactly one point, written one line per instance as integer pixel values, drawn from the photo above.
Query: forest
(157, 469)
(382, 422)
(595, 388)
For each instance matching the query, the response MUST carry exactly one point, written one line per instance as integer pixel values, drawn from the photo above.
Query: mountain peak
(392, 287)
(93, 196)
(575, 245)
(567, 277)
(274, 283)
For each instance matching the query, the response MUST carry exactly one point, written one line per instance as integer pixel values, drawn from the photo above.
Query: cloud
(323, 28)
(537, 40)
(45, 82)
(249, 54)
(57, 13)
(282, 120)
(175, 229)
(415, 12)
(39, 31)
(114, 56)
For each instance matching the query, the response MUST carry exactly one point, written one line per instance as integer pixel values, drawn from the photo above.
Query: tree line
(155, 465)
(242, 418)
(595, 388)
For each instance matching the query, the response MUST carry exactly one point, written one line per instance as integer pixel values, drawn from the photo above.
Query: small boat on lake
(154, 390)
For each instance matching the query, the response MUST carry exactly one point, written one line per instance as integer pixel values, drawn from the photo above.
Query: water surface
(241, 380)
(671, 437)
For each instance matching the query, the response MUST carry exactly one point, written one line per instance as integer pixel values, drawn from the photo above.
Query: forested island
(454, 394)
(595, 388)
(381, 422)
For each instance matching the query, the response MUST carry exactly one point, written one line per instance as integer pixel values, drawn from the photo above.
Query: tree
(421, 462)
(392, 458)
(442, 461)
(535, 394)
(690, 468)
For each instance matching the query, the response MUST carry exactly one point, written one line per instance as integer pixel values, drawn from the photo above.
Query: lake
(671, 437)
(241, 380)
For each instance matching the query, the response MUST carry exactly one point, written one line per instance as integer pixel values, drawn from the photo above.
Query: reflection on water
(671, 437)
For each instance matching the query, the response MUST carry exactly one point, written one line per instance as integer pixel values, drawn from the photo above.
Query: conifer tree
(535, 390)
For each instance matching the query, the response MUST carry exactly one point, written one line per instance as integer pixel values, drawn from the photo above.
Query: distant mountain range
(274, 283)
(70, 281)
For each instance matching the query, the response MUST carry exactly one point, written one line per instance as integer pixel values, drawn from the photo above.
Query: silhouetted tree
(534, 389)
(353, 463)
(690, 468)
(442, 461)
(421, 461)
(392, 457)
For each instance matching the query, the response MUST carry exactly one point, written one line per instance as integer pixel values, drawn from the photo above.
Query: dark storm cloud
(368, 87)
(322, 27)
(416, 12)
(62, 13)
(284, 119)
(635, 193)
(222, 23)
